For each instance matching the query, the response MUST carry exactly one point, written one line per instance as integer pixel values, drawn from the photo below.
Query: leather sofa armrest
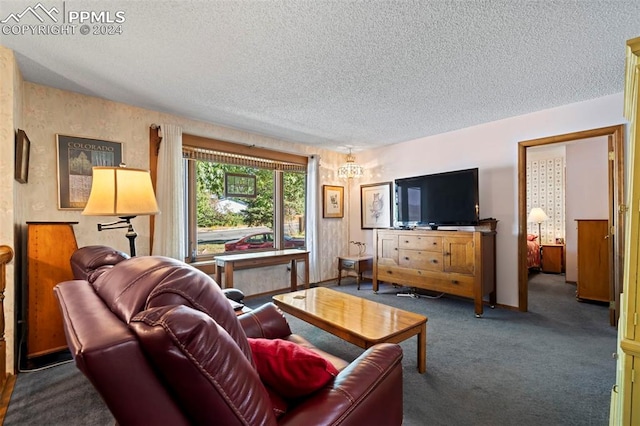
(266, 321)
(108, 354)
(368, 391)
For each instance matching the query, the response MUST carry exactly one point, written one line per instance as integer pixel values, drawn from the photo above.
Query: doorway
(615, 137)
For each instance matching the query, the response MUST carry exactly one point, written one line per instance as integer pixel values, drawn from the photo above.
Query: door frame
(615, 136)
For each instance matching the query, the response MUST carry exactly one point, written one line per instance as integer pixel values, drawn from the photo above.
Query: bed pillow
(291, 370)
(531, 237)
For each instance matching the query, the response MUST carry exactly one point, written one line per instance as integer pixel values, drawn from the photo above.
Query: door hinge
(612, 155)
(622, 208)
(635, 318)
(633, 375)
(612, 304)
(612, 231)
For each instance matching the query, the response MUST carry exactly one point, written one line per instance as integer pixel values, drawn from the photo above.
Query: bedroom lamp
(350, 169)
(123, 192)
(537, 215)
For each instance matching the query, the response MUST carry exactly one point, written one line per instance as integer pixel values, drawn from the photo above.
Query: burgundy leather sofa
(201, 370)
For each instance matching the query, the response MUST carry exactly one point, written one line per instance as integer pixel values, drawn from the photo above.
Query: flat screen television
(449, 198)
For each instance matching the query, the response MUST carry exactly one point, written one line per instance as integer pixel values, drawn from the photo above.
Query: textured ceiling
(335, 74)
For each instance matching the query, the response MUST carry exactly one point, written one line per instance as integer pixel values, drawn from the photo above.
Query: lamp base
(131, 234)
(539, 235)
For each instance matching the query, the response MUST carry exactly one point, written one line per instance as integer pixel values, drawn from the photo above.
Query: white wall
(493, 148)
(587, 192)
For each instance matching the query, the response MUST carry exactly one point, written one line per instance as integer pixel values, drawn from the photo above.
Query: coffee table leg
(422, 349)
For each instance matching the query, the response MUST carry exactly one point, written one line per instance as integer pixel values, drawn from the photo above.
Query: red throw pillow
(531, 237)
(291, 370)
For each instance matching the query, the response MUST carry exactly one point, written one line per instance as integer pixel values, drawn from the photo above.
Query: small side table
(358, 264)
(553, 258)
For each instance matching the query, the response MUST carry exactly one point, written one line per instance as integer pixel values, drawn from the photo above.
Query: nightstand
(553, 258)
(358, 264)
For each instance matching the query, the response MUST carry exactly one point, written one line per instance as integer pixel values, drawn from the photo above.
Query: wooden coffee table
(356, 320)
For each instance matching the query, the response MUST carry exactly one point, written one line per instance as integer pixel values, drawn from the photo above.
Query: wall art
(76, 158)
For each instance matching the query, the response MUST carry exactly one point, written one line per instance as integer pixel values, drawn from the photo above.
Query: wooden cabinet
(454, 262)
(553, 258)
(593, 260)
(49, 249)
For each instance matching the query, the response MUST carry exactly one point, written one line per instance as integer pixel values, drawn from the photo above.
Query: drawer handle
(406, 258)
(389, 272)
(454, 282)
(434, 243)
(446, 253)
(434, 261)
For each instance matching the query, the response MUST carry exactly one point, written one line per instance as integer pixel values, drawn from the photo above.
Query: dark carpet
(549, 366)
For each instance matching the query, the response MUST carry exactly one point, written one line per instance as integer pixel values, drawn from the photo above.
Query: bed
(533, 252)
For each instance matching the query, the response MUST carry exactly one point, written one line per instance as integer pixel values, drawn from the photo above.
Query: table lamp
(123, 192)
(537, 215)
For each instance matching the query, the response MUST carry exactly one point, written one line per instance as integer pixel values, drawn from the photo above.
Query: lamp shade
(121, 191)
(537, 215)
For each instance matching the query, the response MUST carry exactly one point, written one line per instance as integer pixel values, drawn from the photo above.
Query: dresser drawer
(420, 259)
(452, 284)
(459, 285)
(347, 264)
(420, 242)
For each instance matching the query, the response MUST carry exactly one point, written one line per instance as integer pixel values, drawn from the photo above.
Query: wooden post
(6, 254)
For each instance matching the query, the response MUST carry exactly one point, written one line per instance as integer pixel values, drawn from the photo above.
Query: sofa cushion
(290, 369)
(278, 404)
(147, 282)
(203, 366)
(89, 262)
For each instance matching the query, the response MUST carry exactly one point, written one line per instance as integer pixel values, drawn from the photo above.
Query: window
(237, 202)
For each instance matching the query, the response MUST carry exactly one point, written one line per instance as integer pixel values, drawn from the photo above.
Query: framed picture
(239, 185)
(76, 158)
(332, 201)
(23, 148)
(375, 205)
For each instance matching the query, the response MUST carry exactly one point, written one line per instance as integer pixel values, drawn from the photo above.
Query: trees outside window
(222, 224)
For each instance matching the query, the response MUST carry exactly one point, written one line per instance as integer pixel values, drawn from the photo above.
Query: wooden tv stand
(461, 263)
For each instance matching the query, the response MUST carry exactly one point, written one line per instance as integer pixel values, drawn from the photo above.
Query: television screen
(449, 198)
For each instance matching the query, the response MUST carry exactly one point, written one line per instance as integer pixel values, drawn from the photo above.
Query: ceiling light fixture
(350, 169)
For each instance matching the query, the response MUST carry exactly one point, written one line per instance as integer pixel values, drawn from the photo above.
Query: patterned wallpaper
(10, 120)
(44, 112)
(49, 111)
(546, 189)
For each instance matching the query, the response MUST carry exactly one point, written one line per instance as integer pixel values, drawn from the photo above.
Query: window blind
(204, 154)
